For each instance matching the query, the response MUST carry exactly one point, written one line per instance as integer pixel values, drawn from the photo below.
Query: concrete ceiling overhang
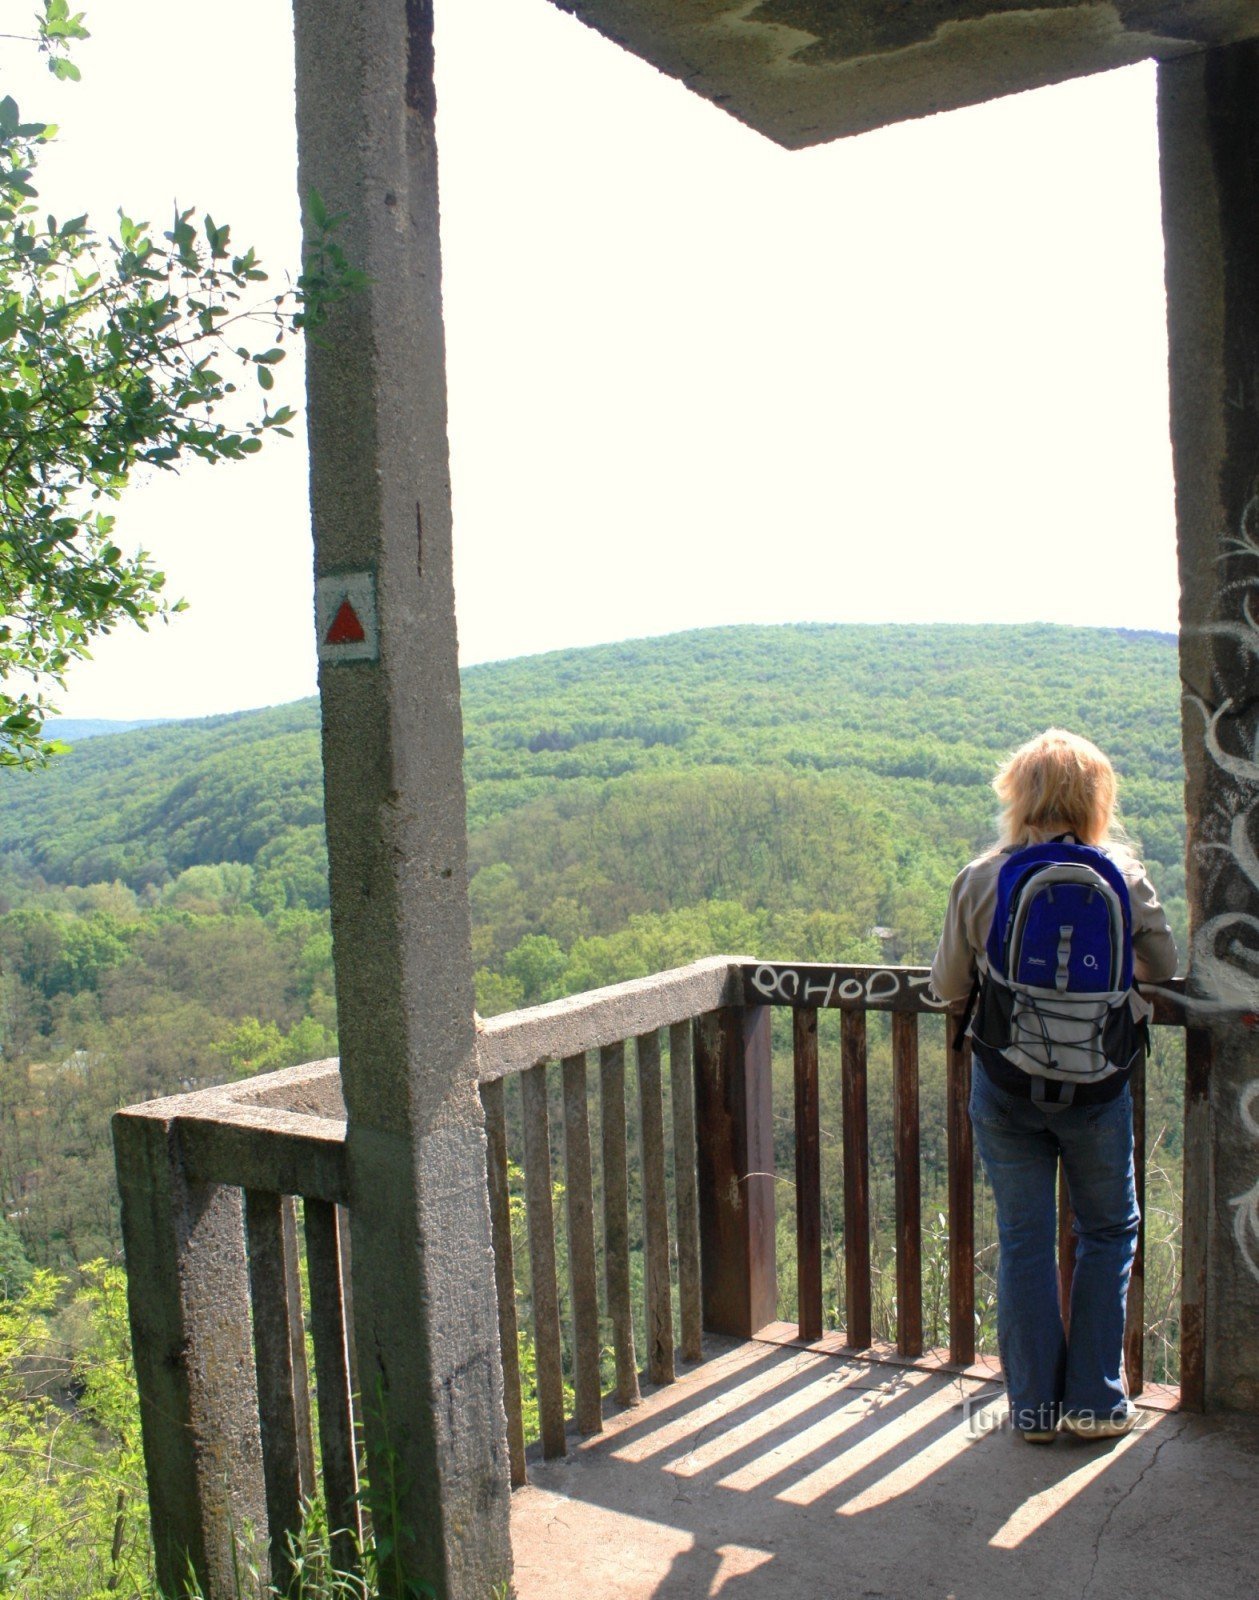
(805, 71)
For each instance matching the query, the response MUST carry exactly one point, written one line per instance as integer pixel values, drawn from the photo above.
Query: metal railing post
(736, 1170)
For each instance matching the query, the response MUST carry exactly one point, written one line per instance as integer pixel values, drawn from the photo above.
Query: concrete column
(188, 1296)
(1209, 141)
(423, 1271)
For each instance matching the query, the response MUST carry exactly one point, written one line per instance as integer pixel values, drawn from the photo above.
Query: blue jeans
(1048, 1375)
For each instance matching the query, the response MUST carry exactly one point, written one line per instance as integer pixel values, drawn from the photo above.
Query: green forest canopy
(799, 793)
(924, 710)
(777, 790)
(794, 792)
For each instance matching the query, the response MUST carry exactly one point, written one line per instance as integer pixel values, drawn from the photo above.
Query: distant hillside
(907, 720)
(938, 702)
(72, 729)
(797, 793)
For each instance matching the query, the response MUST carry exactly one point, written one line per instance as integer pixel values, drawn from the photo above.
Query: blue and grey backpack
(1055, 988)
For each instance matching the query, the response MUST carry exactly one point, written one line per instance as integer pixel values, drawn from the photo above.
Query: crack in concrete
(1123, 1498)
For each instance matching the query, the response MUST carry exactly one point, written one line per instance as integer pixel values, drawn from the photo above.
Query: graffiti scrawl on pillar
(1225, 957)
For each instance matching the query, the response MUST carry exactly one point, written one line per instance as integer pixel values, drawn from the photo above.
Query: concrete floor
(770, 1472)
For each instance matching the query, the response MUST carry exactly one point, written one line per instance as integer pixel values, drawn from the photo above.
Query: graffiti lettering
(879, 987)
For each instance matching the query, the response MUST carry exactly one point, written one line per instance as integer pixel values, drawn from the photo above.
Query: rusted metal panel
(906, 1134)
(686, 1187)
(1134, 1329)
(961, 1206)
(616, 1258)
(808, 1174)
(337, 1449)
(815, 983)
(546, 1299)
(887, 988)
(1197, 1218)
(280, 1356)
(657, 1294)
(582, 1277)
(504, 1274)
(1168, 1000)
(857, 1321)
(734, 1118)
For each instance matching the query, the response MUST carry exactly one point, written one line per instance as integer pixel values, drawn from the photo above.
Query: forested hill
(911, 717)
(801, 793)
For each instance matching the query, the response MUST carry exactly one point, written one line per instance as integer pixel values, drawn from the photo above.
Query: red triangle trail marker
(346, 628)
(345, 617)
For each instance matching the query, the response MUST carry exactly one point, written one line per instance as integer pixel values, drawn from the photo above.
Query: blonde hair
(1056, 782)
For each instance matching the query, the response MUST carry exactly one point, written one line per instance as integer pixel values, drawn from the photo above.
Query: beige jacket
(973, 899)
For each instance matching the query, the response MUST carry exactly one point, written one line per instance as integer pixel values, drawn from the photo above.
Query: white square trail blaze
(345, 617)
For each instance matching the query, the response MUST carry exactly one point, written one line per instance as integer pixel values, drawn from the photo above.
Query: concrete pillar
(188, 1297)
(423, 1272)
(1209, 141)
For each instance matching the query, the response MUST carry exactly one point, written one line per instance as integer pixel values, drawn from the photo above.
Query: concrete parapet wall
(520, 1039)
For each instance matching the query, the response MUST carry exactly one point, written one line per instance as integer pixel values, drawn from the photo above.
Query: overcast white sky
(915, 376)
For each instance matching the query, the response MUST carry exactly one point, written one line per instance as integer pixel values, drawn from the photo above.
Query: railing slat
(332, 1381)
(856, 1180)
(808, 1175)
(1134, 1330)
(616, 1261)
(297, 1340)
(1197, 1219)
(504, 1274)
(658, 1307)
(347, 1301)
(280, 1356)
(546, 1300)
(907, 1136)
(961, 1203)
(686, 1187)
(582, 1277)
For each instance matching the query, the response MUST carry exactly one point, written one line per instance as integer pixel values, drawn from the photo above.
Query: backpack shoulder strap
(968, 1010)
(960, 1036)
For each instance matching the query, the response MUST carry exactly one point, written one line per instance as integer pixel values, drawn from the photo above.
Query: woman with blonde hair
(1056, 786)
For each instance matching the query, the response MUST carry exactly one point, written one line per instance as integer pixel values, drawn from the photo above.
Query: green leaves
(57, 28)
(116, 354)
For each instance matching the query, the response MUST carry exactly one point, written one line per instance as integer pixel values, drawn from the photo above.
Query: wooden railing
(570, 1031)
(905, 992)
(211, 1226)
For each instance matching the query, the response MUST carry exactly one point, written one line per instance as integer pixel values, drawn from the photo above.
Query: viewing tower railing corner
(210, 1181)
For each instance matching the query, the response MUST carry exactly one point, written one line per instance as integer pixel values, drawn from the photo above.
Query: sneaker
(1037, 1435)
(1087, 1425)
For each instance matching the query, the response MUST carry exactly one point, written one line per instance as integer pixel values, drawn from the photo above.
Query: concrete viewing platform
(771, 1472)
